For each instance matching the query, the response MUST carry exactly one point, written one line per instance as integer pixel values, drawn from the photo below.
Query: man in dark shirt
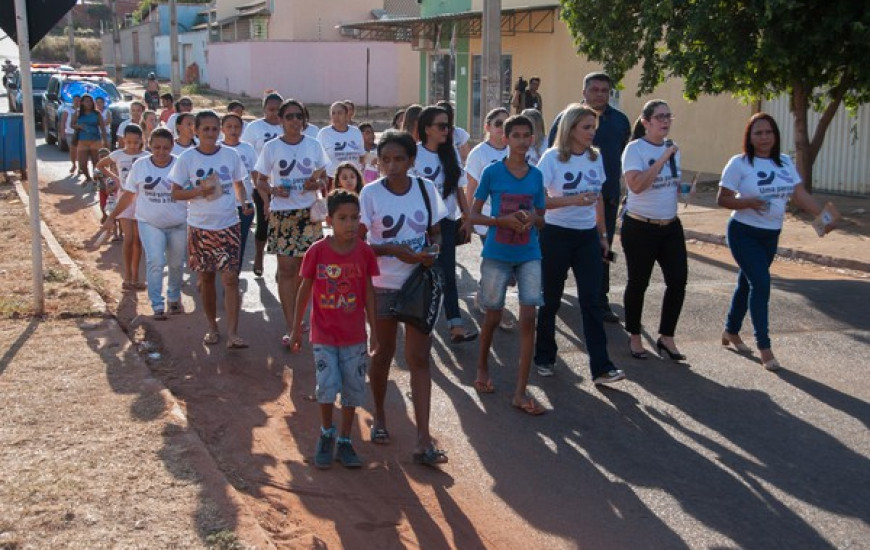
(614, 130)
(530, 98)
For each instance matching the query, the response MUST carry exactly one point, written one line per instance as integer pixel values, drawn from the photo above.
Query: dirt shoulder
(92, 453)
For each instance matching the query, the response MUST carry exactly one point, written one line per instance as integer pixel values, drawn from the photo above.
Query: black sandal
(431, 457)
(465, 336)
(379, 436)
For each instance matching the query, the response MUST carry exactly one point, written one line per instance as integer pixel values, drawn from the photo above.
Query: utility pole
(116, 43)
(491, 58)
(173, 47)
(30, 151)
(72, 38)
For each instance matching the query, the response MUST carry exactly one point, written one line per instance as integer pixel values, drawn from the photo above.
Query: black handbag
(418, 302)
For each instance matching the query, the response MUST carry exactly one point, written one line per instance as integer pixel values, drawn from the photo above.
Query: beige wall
(709, 131)
(296, 20)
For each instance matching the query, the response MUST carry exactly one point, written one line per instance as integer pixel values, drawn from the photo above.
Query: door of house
(135, 37)
(477, 113)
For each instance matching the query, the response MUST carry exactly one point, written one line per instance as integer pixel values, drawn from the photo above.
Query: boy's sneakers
(345, 454)
(546, 370)
(323, 454)
(609, 377)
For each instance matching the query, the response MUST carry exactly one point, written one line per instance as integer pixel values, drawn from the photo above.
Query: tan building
(535, 42)
(297, 47)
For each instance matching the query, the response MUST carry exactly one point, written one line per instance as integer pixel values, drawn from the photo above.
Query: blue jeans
(246, 222)
(580, 251)
(753, 249)
(163, 247)
(447, 261)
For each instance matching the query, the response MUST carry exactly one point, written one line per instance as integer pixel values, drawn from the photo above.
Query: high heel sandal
(674, 356)
(771, 364)
(729, 339)
(637, 354)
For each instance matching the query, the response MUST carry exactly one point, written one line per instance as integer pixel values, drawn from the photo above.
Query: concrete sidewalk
(846, 247)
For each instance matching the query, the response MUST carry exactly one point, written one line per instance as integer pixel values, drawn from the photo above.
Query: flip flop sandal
(236, 342)
(211, 338)
(430, 457)
(127, 285)
(258, 271)
(530, 407)
(285, 341)
(140, 285)
(484, 387)
(379, 436)
(464, 336)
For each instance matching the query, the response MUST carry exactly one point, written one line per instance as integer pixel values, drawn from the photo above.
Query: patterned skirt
(291, 232)
(213, 249)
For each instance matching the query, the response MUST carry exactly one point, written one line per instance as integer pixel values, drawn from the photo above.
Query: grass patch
(223, 540)
(195, 89)
(55, 49)
(55, 275)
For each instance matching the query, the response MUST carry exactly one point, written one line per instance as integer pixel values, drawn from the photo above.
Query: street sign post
(27, 32)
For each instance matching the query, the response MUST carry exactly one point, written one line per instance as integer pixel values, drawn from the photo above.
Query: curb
(788, 253)
(174, 412)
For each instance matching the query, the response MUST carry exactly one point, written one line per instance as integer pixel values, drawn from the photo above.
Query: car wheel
(49, 138)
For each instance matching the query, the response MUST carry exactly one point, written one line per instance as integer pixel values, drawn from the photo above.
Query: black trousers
(645, 244)
(260, 233)
(611, 209)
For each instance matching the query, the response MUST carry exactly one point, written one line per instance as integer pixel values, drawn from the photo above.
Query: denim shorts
(385, 298)
(341, 369)
(495, 275)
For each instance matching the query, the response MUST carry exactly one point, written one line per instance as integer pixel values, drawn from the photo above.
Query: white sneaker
(546, 370)
(609, 377)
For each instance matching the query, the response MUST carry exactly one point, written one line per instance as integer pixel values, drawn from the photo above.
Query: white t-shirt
(428, 165)
(460, 137)
(564, 179)
(178, 148)
(121, 127)
(154, 202)
(659, 201)
(123, 163)
(249, 159)
(193, 166)
(397, 219)
(765, 180)
(259, 132)
(479, 158)
(170, 122)
(534, 156)
(341, 147)
(289, 166)
(311, 130)
(70, 111)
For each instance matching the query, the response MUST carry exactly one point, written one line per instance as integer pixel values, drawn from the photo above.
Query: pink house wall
(314, 72)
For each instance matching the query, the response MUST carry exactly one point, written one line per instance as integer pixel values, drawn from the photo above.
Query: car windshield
(40, 80)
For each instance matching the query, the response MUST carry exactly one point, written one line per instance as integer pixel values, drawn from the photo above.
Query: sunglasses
(441, 125)
(291, 116)
(664, 117)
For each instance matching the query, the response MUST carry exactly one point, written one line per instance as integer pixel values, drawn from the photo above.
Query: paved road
(715, 453)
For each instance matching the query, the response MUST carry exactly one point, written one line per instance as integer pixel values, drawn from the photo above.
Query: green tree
(817, 52)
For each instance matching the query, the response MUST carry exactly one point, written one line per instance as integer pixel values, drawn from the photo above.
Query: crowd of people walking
(194, 183)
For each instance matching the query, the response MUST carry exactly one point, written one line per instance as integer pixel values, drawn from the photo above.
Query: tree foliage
(817, 52)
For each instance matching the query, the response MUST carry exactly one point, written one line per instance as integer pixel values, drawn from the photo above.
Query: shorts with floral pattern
(291, 232)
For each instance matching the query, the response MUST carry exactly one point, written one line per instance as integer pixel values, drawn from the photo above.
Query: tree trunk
(807, 151)
(803, 157)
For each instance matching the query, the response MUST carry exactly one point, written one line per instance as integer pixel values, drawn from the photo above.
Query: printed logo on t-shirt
(305, 168)
(151, 183)
(511, 203)
(393, 226)
(223, 173)
(339, 293)
(346, 150)
(267, 137)
(572, 182)
(663, 179)
(766, 179)
(431, 173)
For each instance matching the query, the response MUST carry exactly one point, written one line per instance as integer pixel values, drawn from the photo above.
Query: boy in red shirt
(338, 271)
